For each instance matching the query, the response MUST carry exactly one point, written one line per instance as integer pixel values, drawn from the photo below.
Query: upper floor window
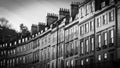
(104, 19)
(92, 44)
(86, 43)
(111, 36)
(19, 41)
(23, 40)
(98, 22)
(87, 59)
(103, 4)
(71, 46)
(66, 35)
(82, 62)
(14, 51)
(39, 42)
(67, 49)
(49, 38)
(82, 48)
(85, 7)
(99, 40)
(76, 46)
(86, 27)
(15, 43)
(17, 60)
(105, 56)
(54, 51)
(46, 40)
(80, 13)
(10, 44)
(69, 34)
(99, 57)
(111, 16)
(83, 10)
(91, 25)
(76, 30)
(88, 8)
(4, 52)
(111, 1)
(82, 30)
(105, 38)
(26, 39)
(93, 6)
(8, 63)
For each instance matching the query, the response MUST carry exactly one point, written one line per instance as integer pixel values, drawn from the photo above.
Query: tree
(7, 34)
(24, 30)
(4, 22)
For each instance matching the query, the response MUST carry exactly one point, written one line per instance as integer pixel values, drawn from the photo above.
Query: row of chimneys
(63, 12)
(51, 17)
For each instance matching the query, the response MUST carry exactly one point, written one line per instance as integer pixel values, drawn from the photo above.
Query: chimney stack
(34, 29)
(41, 26)
(51, 18)
(74, 9)
(64, 12)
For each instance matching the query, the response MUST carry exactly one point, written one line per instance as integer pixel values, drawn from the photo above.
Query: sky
(30, 12)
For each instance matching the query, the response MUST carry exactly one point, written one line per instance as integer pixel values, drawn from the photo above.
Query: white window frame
(99, 57)
(105, 38)
(82, 47)
(87, 43)
(112, 35)
(92, 43)
(99, 40)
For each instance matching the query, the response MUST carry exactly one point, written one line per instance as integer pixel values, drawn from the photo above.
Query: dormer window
(42, 31)
(15, 43)
(39, 33)
(51, 25)
(93, 6)
(45, 28)
(76, 16)
(3, 45)
(70, 19)
(23, 40)
(26, 39)
(35, 34)
(111, 1)
(19, 41)
(32, 35)
(103, 4)
(10, 44)
(6, 45)
(63, 20)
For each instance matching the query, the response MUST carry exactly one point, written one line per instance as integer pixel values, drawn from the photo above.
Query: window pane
(104, 20)
(111, 36)
(99, 40)
(98, 22)
(111, 16)
(86, 45)
(91, 25)
(93, 6)
(92, 43)
(82, 47)
(99, 57)
(105, 38)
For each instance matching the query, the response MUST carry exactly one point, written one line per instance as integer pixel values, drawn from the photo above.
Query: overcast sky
(30, 12)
